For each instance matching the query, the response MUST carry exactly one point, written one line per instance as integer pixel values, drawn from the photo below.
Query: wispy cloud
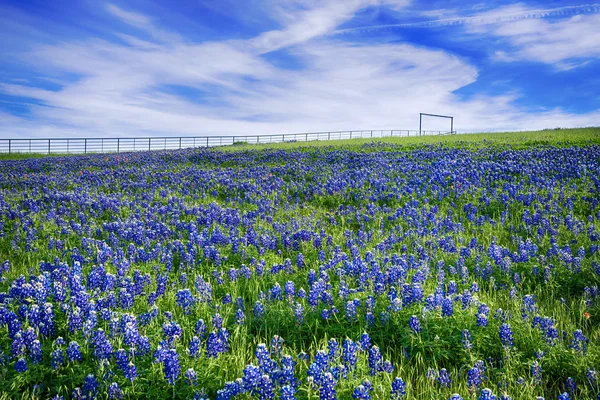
(511, 13)
(143, 22)
(564, 43)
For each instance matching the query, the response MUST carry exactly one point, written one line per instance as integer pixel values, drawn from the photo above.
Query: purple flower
(536, 372)
(327, 390)
(375, 360)
(444, 379)
(58, 358)
(191, 376)
(447, 307)
(21, 365)
(259, 310)
(287, 393)
(414, 324)
(90, 386)
(398, 389)
(363, 391)
(506, 335)
(486, 394)
(74, 352)
(115, 392)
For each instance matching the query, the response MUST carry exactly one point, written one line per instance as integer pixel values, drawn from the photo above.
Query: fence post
(179, 143)
(102, 144)
(67, 145)
(149, 139)
(350, 134)
(30, 145)
(85, 146)
(48, 146)
(328, 135)
(9, 145)
(118, 145)
(165, 143)
(207, 142)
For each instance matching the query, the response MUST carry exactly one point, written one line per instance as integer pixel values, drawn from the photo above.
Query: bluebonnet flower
(130, 371)
(486, 394)
(414, 324)
(592, 376)
(299, 313)
(375, 360)
(475, 375)
(200, 328)
(579, 342)
(327, 390)
(506, 335)
(259, 309)
(185, 300)
(121, 359)
(444, 379)
(363, 391)
(455, 397)
(251, 378)
(564, 396)
(240, 316)
(287, 393)
(35, 351)
(447, 307)
(277, 344)
(170, 360)
(350, 310)
(265, 388)
(171, 331)
(191, 376)
(100, 345)
(195, 347)
(536, 372)
(90, 386)
(18, 345)
(74, 351)
(365, 341)
(398, 389)
(21, 365)
(58, 358)
(217, 321)
(466, 339)
(571, 385)
(114, 391)
(349, 356)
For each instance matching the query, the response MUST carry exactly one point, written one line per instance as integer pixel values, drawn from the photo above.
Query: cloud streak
(507, 14)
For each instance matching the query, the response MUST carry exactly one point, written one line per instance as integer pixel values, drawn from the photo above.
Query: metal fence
(119, 145)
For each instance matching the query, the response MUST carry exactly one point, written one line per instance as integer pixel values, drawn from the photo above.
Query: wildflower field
(459, 268)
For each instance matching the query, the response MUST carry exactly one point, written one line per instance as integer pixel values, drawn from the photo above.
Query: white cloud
(565, 43)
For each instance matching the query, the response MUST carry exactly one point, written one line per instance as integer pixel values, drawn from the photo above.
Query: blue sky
(139, 68)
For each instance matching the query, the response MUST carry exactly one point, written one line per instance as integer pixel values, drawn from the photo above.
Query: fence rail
(120, 145)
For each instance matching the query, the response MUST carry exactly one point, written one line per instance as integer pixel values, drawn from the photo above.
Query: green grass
(558, 137)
